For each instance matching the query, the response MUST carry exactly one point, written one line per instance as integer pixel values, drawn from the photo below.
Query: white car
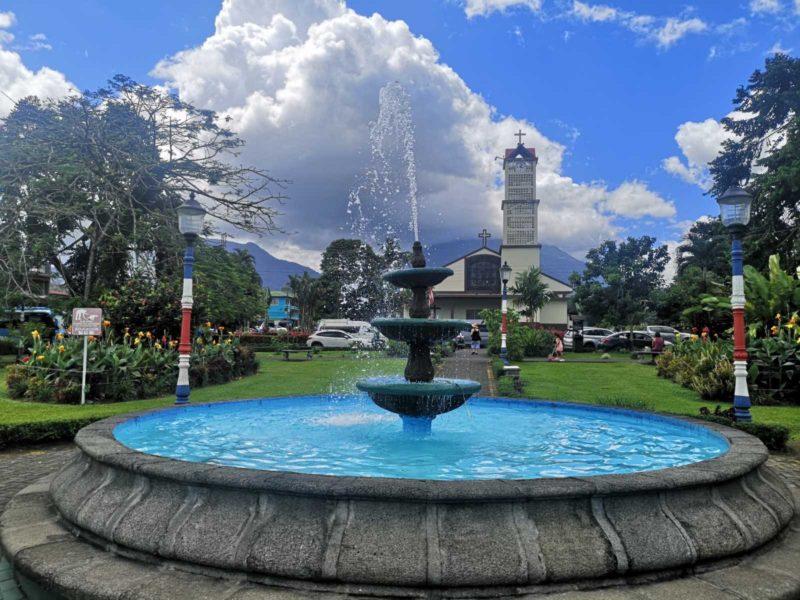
(333, 338)
(591, 337)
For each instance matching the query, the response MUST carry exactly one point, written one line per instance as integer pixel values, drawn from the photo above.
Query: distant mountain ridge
(554, 261)
(274, 271)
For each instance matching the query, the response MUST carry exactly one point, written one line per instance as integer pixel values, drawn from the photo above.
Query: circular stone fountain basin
(409, 330)
(468, 509)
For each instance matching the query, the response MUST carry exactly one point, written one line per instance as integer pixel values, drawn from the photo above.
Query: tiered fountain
(419, 397)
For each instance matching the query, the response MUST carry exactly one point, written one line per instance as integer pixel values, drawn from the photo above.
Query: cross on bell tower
(485, 235)
(519, 135)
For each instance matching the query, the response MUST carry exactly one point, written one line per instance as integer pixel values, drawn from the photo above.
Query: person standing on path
(475, 337)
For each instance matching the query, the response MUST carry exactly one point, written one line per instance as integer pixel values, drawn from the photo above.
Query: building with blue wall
(283, 311)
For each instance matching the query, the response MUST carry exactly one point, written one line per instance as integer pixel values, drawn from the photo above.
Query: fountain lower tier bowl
(328, 494)
(417, 277)
(413, 330)
(424, 399)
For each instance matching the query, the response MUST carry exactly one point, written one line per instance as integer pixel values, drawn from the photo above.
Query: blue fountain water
(485, 439)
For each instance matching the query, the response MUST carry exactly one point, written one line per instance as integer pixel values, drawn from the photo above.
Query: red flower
(26, 359)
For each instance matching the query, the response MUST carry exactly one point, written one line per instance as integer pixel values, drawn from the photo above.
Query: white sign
(87, 321)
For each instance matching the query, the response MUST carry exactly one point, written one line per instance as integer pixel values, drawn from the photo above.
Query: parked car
(622, 341)
(332, 338)
(591, 337)
(669, 334)
(464, 338)
(369, 336)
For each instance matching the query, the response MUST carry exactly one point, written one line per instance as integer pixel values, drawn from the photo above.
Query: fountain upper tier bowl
(423, 399)
(410, 330)
(418, 277)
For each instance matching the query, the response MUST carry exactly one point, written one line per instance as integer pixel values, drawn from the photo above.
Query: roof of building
(520, 150)
(554, 262)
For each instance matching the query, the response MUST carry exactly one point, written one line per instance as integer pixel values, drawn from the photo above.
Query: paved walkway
(464, 365)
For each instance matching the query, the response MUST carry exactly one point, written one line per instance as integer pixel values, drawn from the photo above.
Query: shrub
(774, 437)
(8, 346)
(537, 342)
(704, 366)
(775, 362)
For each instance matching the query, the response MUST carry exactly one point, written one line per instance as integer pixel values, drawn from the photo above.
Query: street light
(734, 209)
(505, 275)
(190, 224)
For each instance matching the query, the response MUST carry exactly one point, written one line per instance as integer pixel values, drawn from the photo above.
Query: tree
(618, 285)
(706, 246)
(532, 291)
(350, 280)
(308, 295)
(90, 183)
(763, 154)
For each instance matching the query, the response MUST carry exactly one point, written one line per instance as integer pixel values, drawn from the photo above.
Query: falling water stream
(386, 191)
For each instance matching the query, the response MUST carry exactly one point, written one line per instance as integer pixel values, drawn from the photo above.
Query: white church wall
(554, 313)
(457, 282)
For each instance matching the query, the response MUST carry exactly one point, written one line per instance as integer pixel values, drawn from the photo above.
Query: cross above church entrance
(519, 135)
(485, 235)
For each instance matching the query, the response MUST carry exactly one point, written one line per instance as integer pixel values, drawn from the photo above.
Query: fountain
(420, 398)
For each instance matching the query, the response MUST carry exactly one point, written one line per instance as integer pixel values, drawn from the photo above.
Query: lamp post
(734, 208)
(505, 275)
(190, 224)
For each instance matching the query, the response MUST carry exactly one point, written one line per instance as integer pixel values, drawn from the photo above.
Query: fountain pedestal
(419, 397)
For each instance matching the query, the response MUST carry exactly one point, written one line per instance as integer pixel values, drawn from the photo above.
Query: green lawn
(327, 372)
(626, 383)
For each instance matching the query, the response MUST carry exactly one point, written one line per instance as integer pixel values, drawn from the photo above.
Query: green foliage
(136, 366)
(775, 362)
(532, 291)
(769, 140)
(704, 366)
(537, 342)
(40, 432)
(620, 282)
(521, 340)
(631, 403)
(308, 294)
(774, 437)
(91, 181)
(396, 349)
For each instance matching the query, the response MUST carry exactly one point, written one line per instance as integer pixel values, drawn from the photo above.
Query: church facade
(475, 284)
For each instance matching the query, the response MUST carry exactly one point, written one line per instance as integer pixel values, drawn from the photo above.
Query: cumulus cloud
(765, 6)
(482, 8)
(17, 81)
(300, 82)
(700, 143)
(664, 32)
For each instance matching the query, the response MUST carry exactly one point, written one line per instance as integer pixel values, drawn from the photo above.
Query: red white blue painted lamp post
(190, 224)
(505, 275)
(734, 208)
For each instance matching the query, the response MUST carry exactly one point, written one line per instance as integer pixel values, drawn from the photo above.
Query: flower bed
(135, 366)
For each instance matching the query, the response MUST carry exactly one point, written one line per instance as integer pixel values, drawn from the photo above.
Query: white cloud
(483, 8)
(664, 32)
(634, 199)
(7, 19)
(777, 48)
(17, 81)
(300, 82)
(700, 143)
(765, 6)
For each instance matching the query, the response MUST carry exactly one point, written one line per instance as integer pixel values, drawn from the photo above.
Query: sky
(621, 100)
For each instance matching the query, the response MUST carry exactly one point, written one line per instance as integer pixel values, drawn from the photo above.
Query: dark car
(627, 341)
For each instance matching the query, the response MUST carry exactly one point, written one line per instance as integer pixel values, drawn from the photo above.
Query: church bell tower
(520, 209)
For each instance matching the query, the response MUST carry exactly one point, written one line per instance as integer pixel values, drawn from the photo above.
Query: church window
(482, 273)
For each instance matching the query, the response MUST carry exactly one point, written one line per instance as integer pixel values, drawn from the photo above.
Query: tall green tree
(308, 294)
(619, 284)
(763, 154)
(350, 280)
(532, 291)
(89, 184)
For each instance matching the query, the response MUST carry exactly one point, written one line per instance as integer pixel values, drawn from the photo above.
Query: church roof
(553, 261)
(520, 150)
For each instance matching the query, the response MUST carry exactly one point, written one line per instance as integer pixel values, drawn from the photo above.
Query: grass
(327, 372)
(626, 383)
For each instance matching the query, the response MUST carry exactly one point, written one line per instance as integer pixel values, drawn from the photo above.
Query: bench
(650, 353)
(287, 352)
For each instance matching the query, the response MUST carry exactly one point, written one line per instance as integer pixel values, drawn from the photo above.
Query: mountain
(554, 261)
(274, 272)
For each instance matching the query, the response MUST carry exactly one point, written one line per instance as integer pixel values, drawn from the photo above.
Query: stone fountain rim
(745, 453)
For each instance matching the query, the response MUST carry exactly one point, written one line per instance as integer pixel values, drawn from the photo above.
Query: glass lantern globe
(190, 217)
(734, 207)
(505, 272)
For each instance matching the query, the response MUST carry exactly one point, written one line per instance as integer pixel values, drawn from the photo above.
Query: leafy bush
(537, 342)
(521, 340)
(702, 365)
(44, 431)
(775, 362)
(136, 366)
(8, 346)
(774, 437)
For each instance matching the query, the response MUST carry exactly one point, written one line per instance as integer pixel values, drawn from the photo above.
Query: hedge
(774, 437)
(43, 431)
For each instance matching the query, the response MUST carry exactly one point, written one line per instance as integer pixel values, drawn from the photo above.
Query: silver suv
(591, 337)
(670, 334)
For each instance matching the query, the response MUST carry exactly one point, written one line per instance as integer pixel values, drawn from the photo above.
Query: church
(475, 284)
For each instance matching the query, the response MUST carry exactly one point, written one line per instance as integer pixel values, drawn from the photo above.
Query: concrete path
(464, 365)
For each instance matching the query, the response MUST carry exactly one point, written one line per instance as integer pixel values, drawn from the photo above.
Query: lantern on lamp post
(505, 275)
(190, 224)
(734, 208)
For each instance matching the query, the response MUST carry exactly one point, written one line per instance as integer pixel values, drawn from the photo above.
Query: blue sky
(595, 79)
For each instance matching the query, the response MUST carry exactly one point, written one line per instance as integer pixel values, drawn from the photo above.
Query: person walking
(475, 338)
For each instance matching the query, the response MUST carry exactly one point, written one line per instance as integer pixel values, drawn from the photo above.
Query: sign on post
(86, 322)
